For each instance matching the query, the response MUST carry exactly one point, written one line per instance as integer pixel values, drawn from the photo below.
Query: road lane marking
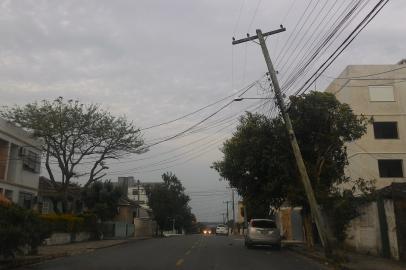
(179, 262)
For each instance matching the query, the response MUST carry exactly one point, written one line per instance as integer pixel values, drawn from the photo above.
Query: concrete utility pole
(232, 195)
(138, 198)
(245, 218)
(224, 218)
(295, 147)
(227, 202)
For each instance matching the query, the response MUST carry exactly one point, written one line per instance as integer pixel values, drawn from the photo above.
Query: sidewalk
(56, 251)
(351, 261)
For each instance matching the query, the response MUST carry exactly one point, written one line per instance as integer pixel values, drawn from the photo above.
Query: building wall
(16, 181)
(353, 89)
(126, 214)
(364, 231)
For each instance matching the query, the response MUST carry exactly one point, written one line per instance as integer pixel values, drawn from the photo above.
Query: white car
(222, 229)
(263, 232)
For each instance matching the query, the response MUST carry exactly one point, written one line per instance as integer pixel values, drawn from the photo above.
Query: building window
(31, 161)
(46, 207)
(381, 93)
(386, 130)
(25, 199)
(390, 167)
(8, 194)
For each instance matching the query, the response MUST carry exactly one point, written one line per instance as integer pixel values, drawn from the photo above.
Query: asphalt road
(194, 252)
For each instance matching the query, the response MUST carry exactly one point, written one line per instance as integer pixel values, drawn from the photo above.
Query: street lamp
(241, 99)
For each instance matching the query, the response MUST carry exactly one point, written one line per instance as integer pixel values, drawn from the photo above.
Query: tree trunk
(55, 205)
(308, 228)
(64, 200)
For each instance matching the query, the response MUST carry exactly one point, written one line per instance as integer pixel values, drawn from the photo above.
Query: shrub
(89, 222)
(19, 228)
(65, 223)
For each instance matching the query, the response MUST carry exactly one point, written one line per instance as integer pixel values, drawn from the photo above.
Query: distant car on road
(263, 232)
(207, 231)
(222, 229)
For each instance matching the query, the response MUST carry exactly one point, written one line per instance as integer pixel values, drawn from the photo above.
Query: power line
(253, 17)
(243, 90)
(282, 53)
(329, 37)
(367, 75)
(350, 38)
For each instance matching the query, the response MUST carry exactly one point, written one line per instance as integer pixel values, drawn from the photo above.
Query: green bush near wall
(19, 228)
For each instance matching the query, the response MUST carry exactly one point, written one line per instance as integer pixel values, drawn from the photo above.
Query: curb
(320, 258)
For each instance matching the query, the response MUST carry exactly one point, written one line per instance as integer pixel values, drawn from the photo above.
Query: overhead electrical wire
(282, 53)
(350, 38)
(243, 90)
(329, 37)
(170, 160)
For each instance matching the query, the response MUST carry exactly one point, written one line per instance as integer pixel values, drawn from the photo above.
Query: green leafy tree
(258, 159)
(168, 201)
(74, 134)
(102, 199)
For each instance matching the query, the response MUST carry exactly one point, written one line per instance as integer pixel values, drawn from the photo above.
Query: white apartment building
(20, 164)
(379, 93)
(135, 189)
(137, 193)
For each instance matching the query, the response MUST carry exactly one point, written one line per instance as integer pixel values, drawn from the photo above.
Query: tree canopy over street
(258, 159)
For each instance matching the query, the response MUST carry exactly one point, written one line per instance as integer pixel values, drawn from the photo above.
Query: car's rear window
(263, 224)
(220, 226)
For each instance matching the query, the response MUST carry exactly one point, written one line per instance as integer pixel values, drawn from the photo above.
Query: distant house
(49, 197)
(20, 164)
(133, 208)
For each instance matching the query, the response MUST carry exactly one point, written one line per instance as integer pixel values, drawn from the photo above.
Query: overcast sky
(154, 61)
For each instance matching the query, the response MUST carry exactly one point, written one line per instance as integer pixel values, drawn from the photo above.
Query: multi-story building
(136, 190)
(379, 93)
(138, 193)
(20, 164)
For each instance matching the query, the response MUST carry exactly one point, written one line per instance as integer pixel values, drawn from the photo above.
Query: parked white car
(222, 229)
(263, 232)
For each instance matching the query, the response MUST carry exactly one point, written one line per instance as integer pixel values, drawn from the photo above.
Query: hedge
(68, 223)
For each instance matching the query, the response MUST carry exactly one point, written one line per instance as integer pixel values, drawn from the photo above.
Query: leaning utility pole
(295, 147)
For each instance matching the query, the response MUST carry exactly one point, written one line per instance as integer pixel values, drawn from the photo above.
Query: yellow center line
(179, 262)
